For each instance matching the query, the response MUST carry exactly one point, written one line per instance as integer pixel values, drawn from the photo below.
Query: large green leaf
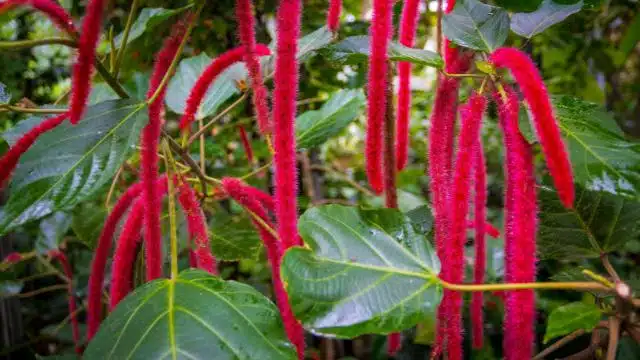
(53, 228)
(549, 13)
(519, 5)
(224, 87)
(475, 25)
(571, 317)
(315, 127)
(71, 163)
(603, 159)
(195, 316)
(234, 238)
(356, 49)
(363, 271)
(600, 223)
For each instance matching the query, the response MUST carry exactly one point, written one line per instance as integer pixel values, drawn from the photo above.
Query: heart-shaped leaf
(70, 163)
(194, 316)
(549, 13)
(477, 26)
(315, 127)
(234, 238)
(571, 317)
(600, 223)
(362, 272)
(355, 49)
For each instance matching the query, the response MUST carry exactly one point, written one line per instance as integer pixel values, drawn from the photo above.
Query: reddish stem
(68, 272)
(10, 159)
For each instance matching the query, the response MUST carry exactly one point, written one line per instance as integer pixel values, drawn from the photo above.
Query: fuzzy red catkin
(209, 75)
(12, 258)
(149, 152)
(408, 24)
(284, 114)
(68, 272)
(246, 143)
(96, 278)
(197, 227)
(243, 194)
(471, 114)
(333, 16)
(377, 83)
(124, 255)
(10, 159)
(246, 31)
(489, 229)
(56, 13)
(480, 202)
(535, 93)
(521, 224)
(83, 67)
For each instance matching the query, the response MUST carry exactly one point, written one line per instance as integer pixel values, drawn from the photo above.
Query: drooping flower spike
(453, 260)
(209, 75)
(479, 213)
(408, 24)
(246, 143)
(535, 93)
(83, 67)
(149, 154)
(246, 31)
(333, 16)
(520, 225)
(377, 84)
(284, 115)
(68, 272)
(197, 228)
(243, 194)
(56, 13)
(489, 229)
(10, 159)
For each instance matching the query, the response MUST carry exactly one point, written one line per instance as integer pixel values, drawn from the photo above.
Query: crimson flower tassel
(535, 93)
(489, 229)
(480, 202)
(56, 13)
(197, 227)
(209, 75)
(246, 143)
(125, 253)
(333, 16)
(521, 223)
(407, 34)
(243, 194)
(68, 272)
(149, 153)
(284, 115)
(83, 66)
(10, 159)
(377, 84)
(453, 260)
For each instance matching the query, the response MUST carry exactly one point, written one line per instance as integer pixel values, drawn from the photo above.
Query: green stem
(7, 107)
(208, 125)
(463, 75)
(173, 233)
(125, 38)
(111, 81)
(25, 44)
(176, 58)
(579, 286)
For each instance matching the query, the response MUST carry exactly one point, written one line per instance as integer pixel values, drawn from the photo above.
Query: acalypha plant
(330, 277)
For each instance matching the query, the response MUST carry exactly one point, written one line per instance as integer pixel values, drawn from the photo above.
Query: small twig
(558, 344)
(206, 127)
(125, 38)
(189, 160)
(614, 336)
(307, 176)
(25, 44)
(112, 188)
(344, 178)
(256, 171)
(607, 265)
(27, 110)
(43, 290)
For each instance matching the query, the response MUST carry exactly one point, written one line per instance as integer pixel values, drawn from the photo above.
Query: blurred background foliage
(592, 55)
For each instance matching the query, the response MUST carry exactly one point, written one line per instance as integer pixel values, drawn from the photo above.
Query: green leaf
(600, 223)
(631, 36)
(87, 221)
(571, 317)
(194, 316)
(362, 272)
(356, 49)
(70, 163)
(53, 228)
(234, 238)
(312, 42)
(519, 5)
(315, 127)
(148, 19)
(477, 26)
(548, 14)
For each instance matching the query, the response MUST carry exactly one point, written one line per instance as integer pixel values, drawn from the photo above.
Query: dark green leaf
(195, 316)
(52, 230)
(315, 127)
(571, 317)
(71, 163)
(599, 223)
(313, 42)
(355, 49)
(519, 5)
(86, 223)
(234, 238)
(548, 14)
(362, 272)
(146, 21)
(631, 36)
(477, 26)
(422, 218)
(628, 349)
